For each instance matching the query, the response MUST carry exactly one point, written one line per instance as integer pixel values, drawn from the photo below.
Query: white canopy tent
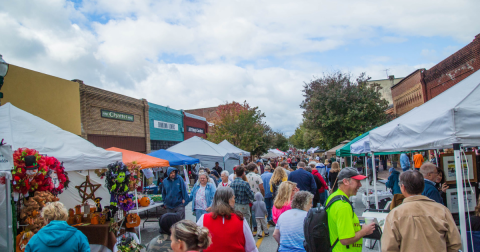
(279, 152)
(448, 120)
(207, 152)
(271, 155)
(361, 146)
(22, 129)
(233, 149)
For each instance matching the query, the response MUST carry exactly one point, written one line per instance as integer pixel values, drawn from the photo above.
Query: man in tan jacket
(419, 224)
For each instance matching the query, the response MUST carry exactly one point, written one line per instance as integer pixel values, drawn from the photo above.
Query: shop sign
(165, 125)
(195, 130)
(6, 158)
(116, 115)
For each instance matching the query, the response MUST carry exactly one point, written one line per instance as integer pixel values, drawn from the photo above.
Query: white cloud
(138, 47)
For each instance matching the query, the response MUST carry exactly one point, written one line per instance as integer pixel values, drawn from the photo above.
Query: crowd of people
(232, 211)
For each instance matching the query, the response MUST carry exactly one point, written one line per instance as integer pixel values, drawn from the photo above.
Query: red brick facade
(189, 122)
(208, 113)
(408, 93)
(453, 69)
(105, 132)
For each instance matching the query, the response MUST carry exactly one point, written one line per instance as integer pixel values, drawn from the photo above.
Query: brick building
(423, 85)
(408, 93)
(195, 126)
(113, 120)
(210, 114)
(386, 92)
(453, 69)
(166, 126)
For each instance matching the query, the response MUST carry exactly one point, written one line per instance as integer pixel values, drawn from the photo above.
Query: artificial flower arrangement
(125, 202)
(129, 245)
(134, 170)
(57, 176)
(117, 180)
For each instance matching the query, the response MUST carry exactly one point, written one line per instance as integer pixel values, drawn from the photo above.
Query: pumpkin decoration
(22, 240)
(94, 219)
(144, 201)
(133, 220)
(102, 219)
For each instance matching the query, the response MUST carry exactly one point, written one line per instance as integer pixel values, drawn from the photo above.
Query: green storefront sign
(116, 115)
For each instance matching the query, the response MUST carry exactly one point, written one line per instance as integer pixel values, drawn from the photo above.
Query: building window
(158, 145)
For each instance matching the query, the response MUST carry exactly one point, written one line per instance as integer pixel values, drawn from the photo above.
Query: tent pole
(366, 173)
(139, 231)
(374, 180)
(461, 200)
(437, 162)
(351, 160)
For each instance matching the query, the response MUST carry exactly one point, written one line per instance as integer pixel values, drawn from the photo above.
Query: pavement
(265, 244)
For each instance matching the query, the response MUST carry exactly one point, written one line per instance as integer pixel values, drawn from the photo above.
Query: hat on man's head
(350, 172)
(259, 161)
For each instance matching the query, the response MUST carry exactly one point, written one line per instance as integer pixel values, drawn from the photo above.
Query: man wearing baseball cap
(343, 223)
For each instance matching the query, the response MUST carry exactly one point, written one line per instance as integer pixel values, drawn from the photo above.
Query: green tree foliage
(242, 126)
(338, 108)
(280, 141)
(304, 138)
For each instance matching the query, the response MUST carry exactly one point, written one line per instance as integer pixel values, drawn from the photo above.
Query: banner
(6, 158)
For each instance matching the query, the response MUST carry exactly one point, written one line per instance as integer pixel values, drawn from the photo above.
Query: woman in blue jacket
(202, 195)
(57, 235)
(393, 181)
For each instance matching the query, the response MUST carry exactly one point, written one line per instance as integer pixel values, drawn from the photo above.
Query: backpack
(315, 228)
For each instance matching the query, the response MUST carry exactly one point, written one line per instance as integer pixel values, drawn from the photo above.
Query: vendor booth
(449, 120)
(271, 155)
(207, 152)
(51, 165)
(174, 158)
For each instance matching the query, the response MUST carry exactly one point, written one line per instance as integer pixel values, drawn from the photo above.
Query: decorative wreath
(29, 171)
(117, 178)
(134, 169)
(128, 244)
(57, 176)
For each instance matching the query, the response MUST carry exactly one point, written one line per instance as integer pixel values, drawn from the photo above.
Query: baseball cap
(259, 161)
(350, 172)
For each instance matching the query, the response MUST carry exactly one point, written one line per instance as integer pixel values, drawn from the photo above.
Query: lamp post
(3, 72)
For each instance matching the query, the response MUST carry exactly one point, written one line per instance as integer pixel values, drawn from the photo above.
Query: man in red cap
(346, 234)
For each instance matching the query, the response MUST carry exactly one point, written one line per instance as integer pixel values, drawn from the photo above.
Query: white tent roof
(281, 153)
(270, 155)
(22, 129)
(361, 146)
(233, 149)
(451, 117)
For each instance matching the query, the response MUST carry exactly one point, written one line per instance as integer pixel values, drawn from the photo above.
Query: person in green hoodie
(57, 235)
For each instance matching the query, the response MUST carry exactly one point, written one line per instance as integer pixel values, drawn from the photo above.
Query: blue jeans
(323, 198)
(254, 222)
(269, 205)
(405, 168)
(199, 213)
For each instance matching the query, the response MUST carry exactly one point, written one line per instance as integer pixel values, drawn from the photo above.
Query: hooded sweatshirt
(393, 182)
(259, 207)
(324, 184)
(58, 236)
(174, 191)
(321, 169)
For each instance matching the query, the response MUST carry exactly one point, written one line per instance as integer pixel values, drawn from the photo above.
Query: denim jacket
(209, 193)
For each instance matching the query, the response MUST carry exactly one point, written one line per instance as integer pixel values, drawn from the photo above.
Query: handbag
(331, 190)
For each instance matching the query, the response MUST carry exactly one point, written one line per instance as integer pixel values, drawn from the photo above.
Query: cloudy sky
(193, 54)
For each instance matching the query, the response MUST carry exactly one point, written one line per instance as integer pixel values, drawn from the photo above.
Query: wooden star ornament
(82, 190)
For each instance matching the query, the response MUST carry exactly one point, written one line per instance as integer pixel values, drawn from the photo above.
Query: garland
(56, 167)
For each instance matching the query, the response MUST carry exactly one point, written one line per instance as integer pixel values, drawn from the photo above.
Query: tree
(280, 141)
(242, 126)
(337, 108)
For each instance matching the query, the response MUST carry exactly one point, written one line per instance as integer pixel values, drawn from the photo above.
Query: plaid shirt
(243, 193)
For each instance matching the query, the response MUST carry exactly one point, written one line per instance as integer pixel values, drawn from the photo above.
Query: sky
(196, 54)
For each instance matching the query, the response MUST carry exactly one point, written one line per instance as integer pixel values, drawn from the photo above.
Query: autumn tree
(242, 126)
(339, 108)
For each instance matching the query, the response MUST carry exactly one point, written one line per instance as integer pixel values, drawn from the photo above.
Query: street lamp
(3, 72)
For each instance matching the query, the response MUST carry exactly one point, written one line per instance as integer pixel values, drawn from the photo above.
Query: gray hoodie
(259, 207)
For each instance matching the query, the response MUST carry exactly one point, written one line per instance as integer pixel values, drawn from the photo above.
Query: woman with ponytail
(187, 237)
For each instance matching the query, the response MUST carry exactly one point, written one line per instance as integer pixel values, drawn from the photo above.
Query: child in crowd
(260, 210)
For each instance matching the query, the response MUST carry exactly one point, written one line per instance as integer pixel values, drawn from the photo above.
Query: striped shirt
(290, 224)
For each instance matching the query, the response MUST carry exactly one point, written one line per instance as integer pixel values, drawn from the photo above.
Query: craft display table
(147, 210)
(371, 198)
(98, 234)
